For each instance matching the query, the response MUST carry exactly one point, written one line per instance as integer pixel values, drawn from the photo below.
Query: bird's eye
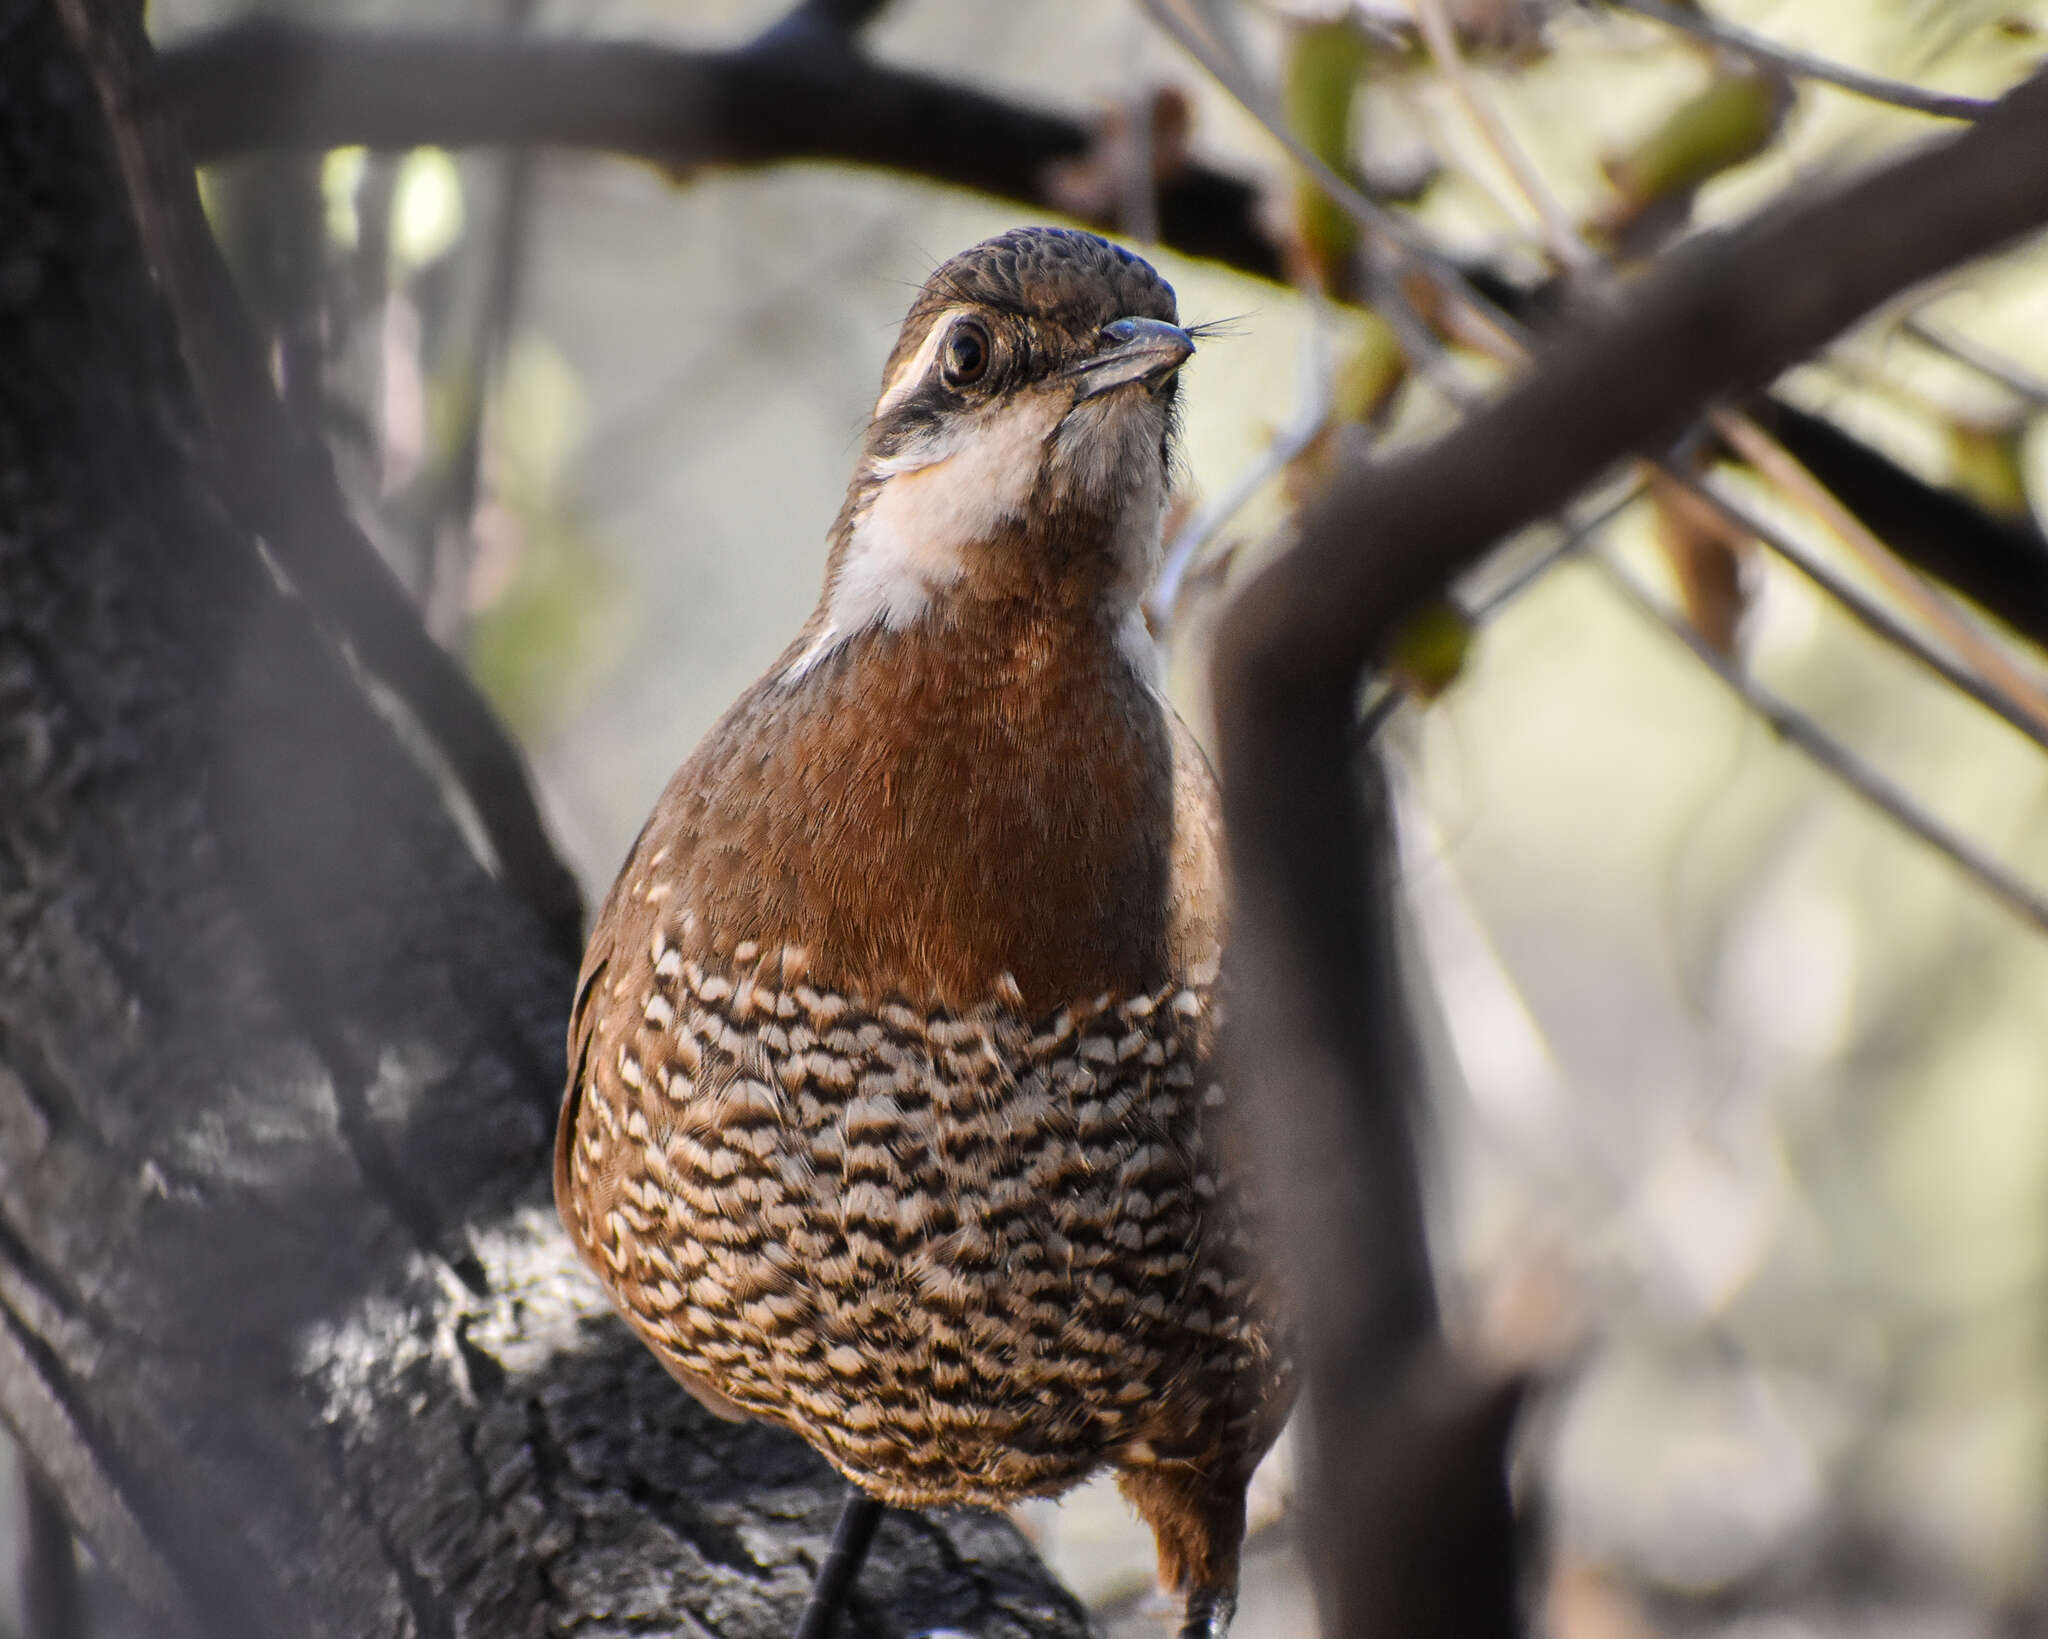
(967, 354)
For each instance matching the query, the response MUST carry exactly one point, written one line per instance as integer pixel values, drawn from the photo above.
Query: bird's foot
(850, 1539)
(1208, 1613)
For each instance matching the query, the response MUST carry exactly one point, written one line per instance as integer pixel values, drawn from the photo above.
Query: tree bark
(285, 1318)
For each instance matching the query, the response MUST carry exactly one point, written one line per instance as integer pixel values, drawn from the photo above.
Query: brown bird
(894, 1116)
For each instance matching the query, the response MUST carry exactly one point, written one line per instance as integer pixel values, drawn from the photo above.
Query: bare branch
(1867, 612)
(1570, 536)
(1874, 87)
(2028, 387)
(1998, 563)
(1990, 662)
(264, 83)
(1560, 232)
(1723, 315)
(1998, 880)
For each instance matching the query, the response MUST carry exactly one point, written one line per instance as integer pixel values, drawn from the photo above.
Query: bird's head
(1021, 444)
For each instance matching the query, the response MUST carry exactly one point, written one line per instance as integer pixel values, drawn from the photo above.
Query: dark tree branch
(2001, 564)
(1722, 316)
(50, 1602)
(263, 83)
(285, 1317)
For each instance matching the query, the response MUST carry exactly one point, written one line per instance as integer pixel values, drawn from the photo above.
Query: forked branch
(1723, 316)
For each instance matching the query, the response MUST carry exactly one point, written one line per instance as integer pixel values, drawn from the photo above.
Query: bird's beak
(1147, 350)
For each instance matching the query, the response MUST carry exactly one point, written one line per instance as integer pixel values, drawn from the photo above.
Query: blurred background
(1742, 1135)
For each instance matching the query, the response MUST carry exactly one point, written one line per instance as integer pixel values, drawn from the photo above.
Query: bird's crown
(1057, 286)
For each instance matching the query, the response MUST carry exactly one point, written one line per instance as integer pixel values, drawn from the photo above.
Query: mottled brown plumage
(893, 1115)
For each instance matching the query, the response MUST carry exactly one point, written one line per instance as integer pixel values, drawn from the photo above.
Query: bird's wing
(1197, 910)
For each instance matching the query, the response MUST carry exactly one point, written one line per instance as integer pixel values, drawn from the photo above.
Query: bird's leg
(1197, 1517)
(1208, 1612)
(850, 1539)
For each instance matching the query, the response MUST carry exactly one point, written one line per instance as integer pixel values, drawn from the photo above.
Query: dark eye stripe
(918, 412)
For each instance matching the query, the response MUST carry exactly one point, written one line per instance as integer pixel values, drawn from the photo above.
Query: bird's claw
(1208, 1613)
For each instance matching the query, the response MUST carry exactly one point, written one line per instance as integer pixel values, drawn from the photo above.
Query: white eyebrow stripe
(905, 381)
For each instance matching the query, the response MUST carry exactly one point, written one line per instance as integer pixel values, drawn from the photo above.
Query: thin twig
(1309, 420)
(1572, 536)
(1890, 798)
(1193, 36)
(1981, 359)
(449, 520)
(1874, 87)
(1560, 233)
(1998, 562)
(1857, 603)
(1138, 175)
(1991, 662)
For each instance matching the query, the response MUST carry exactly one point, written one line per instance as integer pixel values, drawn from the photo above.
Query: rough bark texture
(285, 1318)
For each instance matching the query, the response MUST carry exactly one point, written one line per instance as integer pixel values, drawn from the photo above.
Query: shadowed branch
(1720, 317)
(262, 84)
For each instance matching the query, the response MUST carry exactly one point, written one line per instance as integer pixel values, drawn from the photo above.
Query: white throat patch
(935, 502)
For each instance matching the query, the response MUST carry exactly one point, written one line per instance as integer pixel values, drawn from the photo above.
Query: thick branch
(285, 1317)
(269, 84)
(1722, 316)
